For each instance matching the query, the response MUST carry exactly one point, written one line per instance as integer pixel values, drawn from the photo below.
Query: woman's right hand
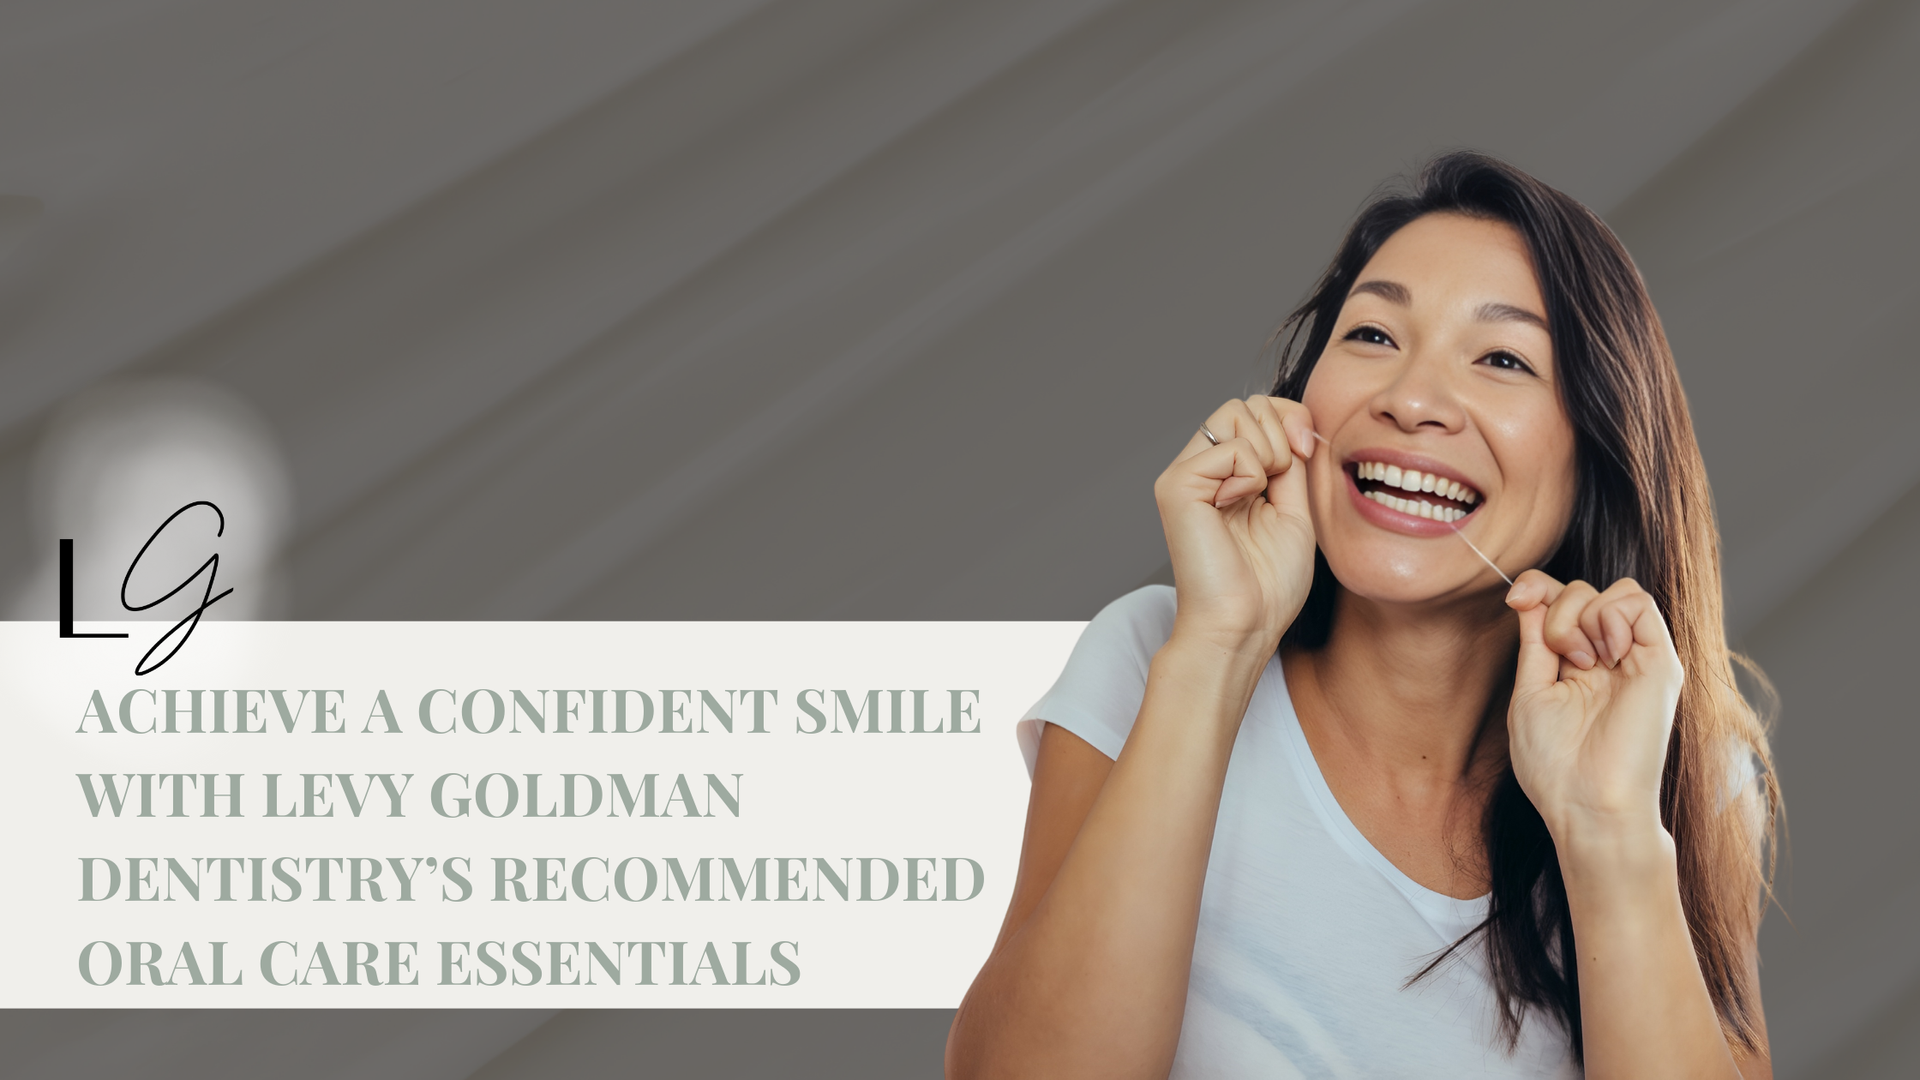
(1237, 524)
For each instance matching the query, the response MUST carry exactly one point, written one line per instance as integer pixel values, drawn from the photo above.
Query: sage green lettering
(384, 710)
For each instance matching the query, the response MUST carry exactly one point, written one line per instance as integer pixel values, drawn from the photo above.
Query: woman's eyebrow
(1492, 311)
(1497, 312)
(1388, 290)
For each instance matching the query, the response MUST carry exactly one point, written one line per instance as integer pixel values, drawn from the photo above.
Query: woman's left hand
(1593, 703)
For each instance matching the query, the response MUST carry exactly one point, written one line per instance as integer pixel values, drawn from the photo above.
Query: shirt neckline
(1450, 917)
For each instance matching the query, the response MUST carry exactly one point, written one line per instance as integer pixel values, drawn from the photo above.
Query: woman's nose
(1419, 398)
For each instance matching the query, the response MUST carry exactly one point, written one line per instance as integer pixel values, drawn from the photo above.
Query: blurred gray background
(841, 309)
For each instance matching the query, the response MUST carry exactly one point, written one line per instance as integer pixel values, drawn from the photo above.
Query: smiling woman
(1341, 802)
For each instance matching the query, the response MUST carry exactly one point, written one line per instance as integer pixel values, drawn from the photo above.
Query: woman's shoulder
(1141, 619)
(1098, 693)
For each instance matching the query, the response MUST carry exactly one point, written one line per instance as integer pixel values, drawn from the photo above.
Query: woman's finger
(1616, 632)
(1531, 588)
(1235, 421)
(1530, 596)
(1273, 426)
(1609, 625)
(1216, 429)
(1539, 666)
(1223, 474)
(1629, 617)
(1298, 423)
(1278, 429)
(1595, 621)
(1564, 633)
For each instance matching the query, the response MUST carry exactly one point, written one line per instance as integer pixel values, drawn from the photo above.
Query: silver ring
(1211, 437)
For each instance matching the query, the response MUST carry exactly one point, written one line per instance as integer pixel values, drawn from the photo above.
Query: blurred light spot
(117, 460)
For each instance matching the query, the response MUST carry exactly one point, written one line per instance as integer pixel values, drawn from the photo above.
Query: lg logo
(180, 631)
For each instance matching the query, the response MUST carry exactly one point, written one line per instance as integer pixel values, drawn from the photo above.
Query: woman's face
(1439, 400)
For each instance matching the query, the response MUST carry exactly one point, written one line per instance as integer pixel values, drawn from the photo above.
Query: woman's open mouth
(1411, 492)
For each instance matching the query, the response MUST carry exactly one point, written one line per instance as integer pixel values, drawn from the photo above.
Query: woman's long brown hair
(1643, 510)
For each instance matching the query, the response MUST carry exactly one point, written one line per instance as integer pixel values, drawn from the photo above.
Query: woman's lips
(1409, 483)
(1412, 524)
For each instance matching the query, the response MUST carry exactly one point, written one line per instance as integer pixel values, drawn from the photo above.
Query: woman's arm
(1643, 1003)
(1594, 699)
(1089, 977)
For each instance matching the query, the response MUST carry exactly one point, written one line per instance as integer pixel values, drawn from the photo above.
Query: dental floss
(1456, 529)
(1477, 551)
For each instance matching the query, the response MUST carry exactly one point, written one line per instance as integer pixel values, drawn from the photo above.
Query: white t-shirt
(1307, 934)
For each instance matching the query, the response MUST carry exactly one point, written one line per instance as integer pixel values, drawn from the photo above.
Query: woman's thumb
(1539, 665)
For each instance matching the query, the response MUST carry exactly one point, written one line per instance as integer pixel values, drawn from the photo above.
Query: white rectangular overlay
(689, 815)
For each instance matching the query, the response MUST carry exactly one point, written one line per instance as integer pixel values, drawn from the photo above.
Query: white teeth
(1413, 480)
(1417, 507)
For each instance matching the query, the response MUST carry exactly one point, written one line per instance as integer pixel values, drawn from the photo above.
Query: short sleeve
(1098, 694)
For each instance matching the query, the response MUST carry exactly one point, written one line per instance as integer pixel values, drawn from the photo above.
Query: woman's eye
(1372, 335)
(1506, 361)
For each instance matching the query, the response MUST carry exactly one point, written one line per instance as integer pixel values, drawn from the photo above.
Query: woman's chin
(1430, 580)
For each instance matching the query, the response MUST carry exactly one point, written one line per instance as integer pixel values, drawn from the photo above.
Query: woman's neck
(1394, 707)
(1406, 691)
